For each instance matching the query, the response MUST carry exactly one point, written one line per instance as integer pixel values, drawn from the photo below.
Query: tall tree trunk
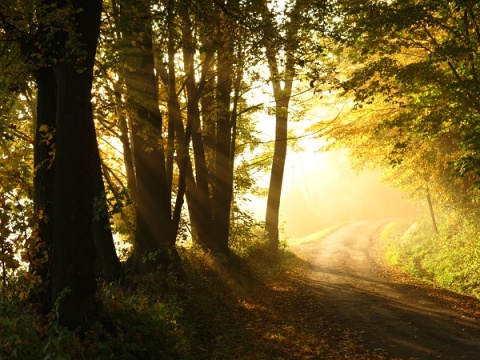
(223, 182)
(282, 100)
(175, 123)
(125, 129)
(73, 260)
(276, 176)
(171, 86)
(186, 179)
(107, 264)
(432, 213)
(282, 95)
(200, 204)
(125, 138)
(154, 233)
(43, 183)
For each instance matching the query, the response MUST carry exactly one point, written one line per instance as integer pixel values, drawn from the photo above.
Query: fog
(321, 190)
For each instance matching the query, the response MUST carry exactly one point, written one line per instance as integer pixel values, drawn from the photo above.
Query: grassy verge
(315, 236)
(449, 259)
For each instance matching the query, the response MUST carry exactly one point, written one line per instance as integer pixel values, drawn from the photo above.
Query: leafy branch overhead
(413, 82)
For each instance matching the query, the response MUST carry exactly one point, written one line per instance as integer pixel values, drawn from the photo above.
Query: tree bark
(186, 179)
(282, 97)
(276, 177)
(43, 184)
(125, 138)
(107, 264)
(223, 181)
(198, 193)
(432, 213)
(154, 233)
(73, 259)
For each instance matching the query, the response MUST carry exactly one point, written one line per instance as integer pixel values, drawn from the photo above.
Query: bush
(136, 322)
(450, 259)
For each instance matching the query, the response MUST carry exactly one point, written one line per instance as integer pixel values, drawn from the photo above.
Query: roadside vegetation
(449, 259)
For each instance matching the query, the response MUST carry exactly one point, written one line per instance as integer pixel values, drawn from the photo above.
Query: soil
(409, 319)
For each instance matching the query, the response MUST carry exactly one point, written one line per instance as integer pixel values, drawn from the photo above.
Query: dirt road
(406, 319)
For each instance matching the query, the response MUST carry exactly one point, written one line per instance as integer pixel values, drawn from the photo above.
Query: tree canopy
(411, 80)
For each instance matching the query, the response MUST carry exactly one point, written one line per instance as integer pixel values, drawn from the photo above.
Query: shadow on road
(407, 320)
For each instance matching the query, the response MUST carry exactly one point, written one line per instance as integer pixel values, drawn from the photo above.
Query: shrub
(450, 259)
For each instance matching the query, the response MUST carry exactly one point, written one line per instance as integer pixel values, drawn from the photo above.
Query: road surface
(406, 320)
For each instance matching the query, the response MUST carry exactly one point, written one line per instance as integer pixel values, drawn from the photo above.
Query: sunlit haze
(321, 190)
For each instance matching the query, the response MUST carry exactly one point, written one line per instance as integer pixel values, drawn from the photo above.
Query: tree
(43, 182)
(285, 41)
(59, 48)
(154, 229)
(210, 86)
(73, 254)
(415, 65)
(282, 95)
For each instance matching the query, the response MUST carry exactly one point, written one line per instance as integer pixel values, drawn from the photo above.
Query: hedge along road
(407, 319)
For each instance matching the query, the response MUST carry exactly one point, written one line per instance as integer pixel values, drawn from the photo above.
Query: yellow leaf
(43, 128)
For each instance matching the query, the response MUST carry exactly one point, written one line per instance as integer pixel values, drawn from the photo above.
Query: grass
(315, 236)
(449, 259)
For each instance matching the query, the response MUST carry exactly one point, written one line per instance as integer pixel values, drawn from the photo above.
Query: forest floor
(337, 300)
(328, 296)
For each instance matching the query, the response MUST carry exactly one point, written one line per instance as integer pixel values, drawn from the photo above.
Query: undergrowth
(154, 316)
(136, 321)
(449, 259)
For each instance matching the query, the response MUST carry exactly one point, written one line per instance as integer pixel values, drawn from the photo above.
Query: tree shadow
(408, 320)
